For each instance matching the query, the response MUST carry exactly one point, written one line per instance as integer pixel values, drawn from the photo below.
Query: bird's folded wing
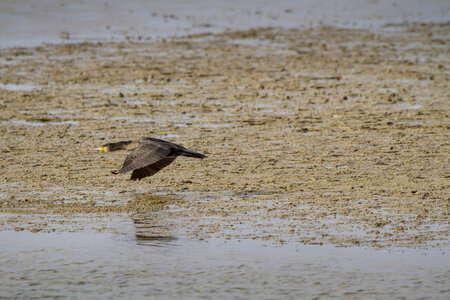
(145, 154)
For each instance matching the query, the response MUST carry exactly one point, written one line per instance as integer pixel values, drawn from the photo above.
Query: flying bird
(148, 156)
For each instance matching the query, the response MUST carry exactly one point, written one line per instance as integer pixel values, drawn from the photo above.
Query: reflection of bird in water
(148, 155)
(152, 230)
(153, 226)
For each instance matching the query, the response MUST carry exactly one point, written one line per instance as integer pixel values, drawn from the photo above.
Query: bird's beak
(101, 149)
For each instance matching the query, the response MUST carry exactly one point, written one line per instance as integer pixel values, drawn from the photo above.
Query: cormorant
(148, 156)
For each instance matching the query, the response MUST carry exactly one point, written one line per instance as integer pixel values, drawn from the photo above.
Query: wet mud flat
(318, 136)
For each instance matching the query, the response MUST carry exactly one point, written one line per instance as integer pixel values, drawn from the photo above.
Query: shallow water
(68, 21)
(19, 87)
(70, 265)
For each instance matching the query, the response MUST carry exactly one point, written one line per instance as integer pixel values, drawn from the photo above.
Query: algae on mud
(323, 135)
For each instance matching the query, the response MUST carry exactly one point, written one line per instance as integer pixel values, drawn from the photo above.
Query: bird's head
(114, 146)
(105, 148)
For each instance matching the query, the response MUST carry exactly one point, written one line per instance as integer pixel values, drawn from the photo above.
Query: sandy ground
(322, 135)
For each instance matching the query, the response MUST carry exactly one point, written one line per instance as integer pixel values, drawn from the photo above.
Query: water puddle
(19, 87)
(407, 106)
(152, 263)
(38, 124)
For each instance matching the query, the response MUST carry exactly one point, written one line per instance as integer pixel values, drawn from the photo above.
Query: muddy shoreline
(323, 135)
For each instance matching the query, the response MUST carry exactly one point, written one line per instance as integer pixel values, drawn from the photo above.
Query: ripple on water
(141, 265)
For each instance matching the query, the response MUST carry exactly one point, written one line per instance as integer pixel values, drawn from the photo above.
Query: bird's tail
(190, 153)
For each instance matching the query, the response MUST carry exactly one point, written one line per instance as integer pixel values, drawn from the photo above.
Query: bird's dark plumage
(148, 156)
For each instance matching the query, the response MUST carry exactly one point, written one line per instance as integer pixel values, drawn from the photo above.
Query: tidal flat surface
(323, 135)
(326, 131)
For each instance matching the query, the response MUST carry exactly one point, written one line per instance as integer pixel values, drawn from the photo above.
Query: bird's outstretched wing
(151, 169)
(144, 155)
